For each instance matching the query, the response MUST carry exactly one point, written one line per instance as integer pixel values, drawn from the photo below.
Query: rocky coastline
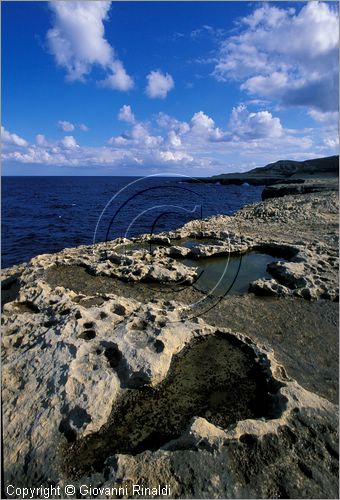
(281, 172)
(117, 370)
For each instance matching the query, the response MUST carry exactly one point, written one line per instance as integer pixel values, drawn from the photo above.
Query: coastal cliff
(282, 171)
(117, 369)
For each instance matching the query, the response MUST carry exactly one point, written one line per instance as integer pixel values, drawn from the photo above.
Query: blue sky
(133, 88)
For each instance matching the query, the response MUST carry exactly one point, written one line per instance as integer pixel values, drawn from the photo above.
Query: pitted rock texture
(219, 378)
(80, 353)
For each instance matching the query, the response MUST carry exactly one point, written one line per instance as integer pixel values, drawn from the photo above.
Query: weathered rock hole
(51, 322)
(119, 309)
(159, 346)
(88, 325)
(28, 306)
(18, 342)
(113, 356)
(79, 416)
(137, 272)
(219, 378)
(64, 312)
(69, 433)
(87, 335)
(138, 324)
(76, 418)
(103, 315)
(92, 301)
(10, 288)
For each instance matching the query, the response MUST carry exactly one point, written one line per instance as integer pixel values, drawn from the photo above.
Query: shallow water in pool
(222, 274)
(230, 274)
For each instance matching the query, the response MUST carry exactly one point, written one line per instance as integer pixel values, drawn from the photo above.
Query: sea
(47, 214)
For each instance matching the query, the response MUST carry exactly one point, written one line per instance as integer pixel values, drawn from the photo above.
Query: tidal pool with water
(220, 274)
(218, 378)
(230, 274)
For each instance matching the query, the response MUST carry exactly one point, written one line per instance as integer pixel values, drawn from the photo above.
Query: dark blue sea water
(47, 214)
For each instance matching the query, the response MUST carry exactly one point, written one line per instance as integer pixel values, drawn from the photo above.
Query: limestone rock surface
(108, 381)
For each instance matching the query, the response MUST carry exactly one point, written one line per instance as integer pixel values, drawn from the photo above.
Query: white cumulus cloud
(118, 79)
(12, 139)
(171, 123)
(40, 139)
(203, 125)
(246, 125)
(66, 126)
(285, 55)
(332, 142)
(77, 41)
(159, 84)
(139, 136)
(174, 139)
(175, 156)
(126, 115)
(69, 142)
(330, 117)
(197, 144)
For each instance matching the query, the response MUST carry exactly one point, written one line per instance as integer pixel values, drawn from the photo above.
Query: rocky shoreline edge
(112, 375)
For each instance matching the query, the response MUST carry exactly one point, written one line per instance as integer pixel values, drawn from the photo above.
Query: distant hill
(329, 165)
(282, 171)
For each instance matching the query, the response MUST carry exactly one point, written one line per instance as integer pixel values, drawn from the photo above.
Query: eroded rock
(101, 388)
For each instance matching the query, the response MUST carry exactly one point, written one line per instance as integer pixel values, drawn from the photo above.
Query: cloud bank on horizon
(275, 70)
